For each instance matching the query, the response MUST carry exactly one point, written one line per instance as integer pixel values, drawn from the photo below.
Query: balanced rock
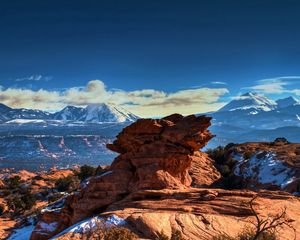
(155, 154)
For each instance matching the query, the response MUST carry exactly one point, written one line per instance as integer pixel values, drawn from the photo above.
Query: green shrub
(13, 182)
(176, 235)
(228, 146)
(224, 170)
(161, 236)
(100, 170)
(217, 154)
(223, 237)
(20, 203)
(232, 182)
(225, 165)
(68, 183)
(119, 233)
(281, 140)
(2, 208)
(248, 155)
(54, 197)
(86, 172)
(104, 232)
(249, 234)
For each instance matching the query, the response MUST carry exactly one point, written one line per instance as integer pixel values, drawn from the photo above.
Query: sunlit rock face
(155, 154)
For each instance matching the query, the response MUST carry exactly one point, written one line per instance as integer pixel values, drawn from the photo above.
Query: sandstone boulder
(155, 154)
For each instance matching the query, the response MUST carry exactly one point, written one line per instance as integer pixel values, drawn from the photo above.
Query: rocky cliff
(154, 155)
(159, 183)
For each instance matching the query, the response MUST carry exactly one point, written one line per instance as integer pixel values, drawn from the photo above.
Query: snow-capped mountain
(34, 139)
(4, 108)
(251, 102)
(286, 102)
(254, 117)
(106, 113)
(96, 113)
(23, 113)
(8, 114)
(92, 113)
(69, 113)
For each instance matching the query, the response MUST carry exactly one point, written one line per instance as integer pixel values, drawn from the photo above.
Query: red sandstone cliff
(151, 185)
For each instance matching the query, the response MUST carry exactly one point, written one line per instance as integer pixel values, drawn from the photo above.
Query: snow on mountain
(92, 113)
(69, 113)
(7, 114)
(26, 121)
(254, 117)
(286, 102)
(252, 102)
(28, 114)
(4, 108)
(107, 113)
(95, 113)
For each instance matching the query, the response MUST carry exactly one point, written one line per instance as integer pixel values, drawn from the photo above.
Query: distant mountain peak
(4, 108)
(286, 102)
(107, 112)
(98, 112)
(250, 101)
(69, 113)
(249, 94)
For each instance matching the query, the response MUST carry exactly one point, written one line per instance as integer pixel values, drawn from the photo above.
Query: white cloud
(145, 102)
(278, 85)
(219, 83)
(34, 78)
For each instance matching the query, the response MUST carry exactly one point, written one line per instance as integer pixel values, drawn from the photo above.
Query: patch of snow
(250, 101)
(85, 183)
(115, 220)
(237, 157)
(91, 223)
(104, 174)
(49, 227)
(24, 121)
(56, 206)
(253, 112)
(22, 233)
(267, 170)
(286, 102)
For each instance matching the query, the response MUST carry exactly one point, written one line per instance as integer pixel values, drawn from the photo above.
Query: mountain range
(254, 117)
(255, 111)
(34, 139)
(37, 140)
(94, 113)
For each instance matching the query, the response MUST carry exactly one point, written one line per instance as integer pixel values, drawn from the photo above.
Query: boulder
(155, 154)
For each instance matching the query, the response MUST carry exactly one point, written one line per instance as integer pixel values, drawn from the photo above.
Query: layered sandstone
(159, 183)
(154, 154)
(199, 214)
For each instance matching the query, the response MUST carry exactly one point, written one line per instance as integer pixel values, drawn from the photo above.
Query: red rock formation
(154, 154)
(198, 213)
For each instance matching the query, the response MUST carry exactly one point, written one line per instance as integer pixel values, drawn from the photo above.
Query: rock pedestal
(155, 154)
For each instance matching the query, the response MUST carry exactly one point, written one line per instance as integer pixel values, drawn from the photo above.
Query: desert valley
(160, 186)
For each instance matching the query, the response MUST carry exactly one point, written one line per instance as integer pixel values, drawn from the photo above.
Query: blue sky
(209, 50)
